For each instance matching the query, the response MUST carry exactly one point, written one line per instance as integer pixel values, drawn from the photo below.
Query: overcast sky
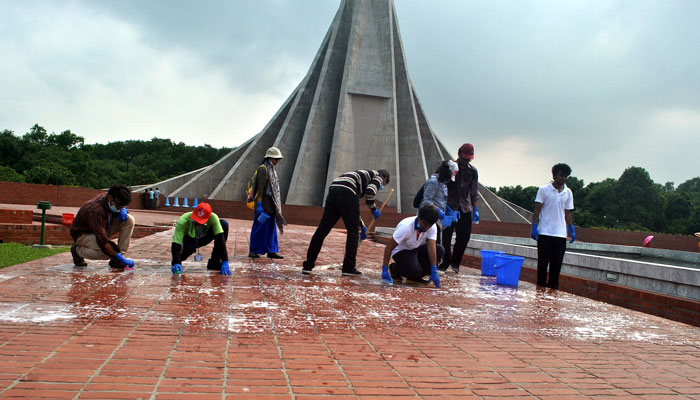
(601, 85)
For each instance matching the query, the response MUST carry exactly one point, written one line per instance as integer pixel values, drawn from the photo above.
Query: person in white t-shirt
(550, 221)
(414, 250)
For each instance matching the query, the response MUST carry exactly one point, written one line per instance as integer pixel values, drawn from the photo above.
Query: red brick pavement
(269, 332)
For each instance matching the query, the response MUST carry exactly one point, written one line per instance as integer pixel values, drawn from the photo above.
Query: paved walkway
(269, 332)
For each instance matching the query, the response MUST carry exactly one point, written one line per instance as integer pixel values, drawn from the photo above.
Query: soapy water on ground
(277, 296)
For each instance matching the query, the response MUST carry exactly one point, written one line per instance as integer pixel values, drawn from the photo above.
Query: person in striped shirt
(343, 202)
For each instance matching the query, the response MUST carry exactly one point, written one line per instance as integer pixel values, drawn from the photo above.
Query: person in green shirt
(197, 229)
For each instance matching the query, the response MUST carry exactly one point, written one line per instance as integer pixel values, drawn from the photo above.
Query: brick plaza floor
(269, 332)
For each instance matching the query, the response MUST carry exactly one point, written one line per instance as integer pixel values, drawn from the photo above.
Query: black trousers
(550, 251)
(415, 264)
(190, 244)
(463, 227)
(340, 203)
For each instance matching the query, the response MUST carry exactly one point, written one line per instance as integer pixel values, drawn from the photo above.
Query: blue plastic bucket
(508, 269)
(488, 262)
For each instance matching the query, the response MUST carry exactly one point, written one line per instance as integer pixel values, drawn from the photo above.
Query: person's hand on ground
(386, 276)
(434, 276)
(177, 269)
(224, 268)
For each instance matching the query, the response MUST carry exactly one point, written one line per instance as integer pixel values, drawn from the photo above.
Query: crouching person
(197, 229)
(99, 220)
(414, 250)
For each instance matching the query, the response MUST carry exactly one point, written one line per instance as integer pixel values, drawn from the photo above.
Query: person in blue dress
(268, 209)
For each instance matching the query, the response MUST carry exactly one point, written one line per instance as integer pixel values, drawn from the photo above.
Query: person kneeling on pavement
(96, 222)
(197, 229)
(414, 250)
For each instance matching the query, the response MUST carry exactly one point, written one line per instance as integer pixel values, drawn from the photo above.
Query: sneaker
(114, 263)
(443, 266)
(455, 268)
(275, 256)
(253, 255)
(306, 268)
(351, 272)
(77, 260)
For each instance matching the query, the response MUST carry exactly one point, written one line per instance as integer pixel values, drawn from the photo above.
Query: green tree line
(65, 159)
(631, 202)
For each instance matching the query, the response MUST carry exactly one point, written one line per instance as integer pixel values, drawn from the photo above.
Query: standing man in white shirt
(414, 250)
(552, 217)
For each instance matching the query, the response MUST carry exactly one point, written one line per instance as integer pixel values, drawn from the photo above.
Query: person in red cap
(462, 196)
(196, 229)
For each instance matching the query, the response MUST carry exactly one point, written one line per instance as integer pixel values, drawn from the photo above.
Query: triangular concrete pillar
(356, 108)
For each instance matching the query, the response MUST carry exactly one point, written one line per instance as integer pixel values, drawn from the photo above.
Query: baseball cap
(467, 151)
(201, 213)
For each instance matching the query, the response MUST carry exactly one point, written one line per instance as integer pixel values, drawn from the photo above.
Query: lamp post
(43, 206)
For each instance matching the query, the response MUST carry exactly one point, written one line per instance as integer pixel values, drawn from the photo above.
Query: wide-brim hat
(201, 213)
(273, 152)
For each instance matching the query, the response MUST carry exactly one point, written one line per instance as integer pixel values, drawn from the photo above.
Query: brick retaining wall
(55, 234)
(15, 216)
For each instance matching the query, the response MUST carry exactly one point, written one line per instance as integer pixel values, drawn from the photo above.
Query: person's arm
(432, 256)
(430, 191)
(371, 192)
(98, 226)
(536, 213)
(567, 217)
(261, 183)
(432, 252)
(178, 240)
(387, 251)
(474, 189)
(176, 252)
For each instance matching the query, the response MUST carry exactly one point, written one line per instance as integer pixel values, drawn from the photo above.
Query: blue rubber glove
(572, 233)
(441, 215)
(262, 215)
(224, 268)
(363, 233)
(533, 233)
(128, 264)
(434, 276)
(448, 220)
(177, 269)
(376, 213)
(448, 210)
(475, 215)
(386, 276)
(123, 214)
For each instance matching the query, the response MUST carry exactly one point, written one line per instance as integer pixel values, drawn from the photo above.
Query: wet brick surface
(270, 332)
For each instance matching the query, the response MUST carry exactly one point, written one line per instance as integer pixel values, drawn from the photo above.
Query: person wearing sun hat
(268, 208)
(462, 196)
(196, 229)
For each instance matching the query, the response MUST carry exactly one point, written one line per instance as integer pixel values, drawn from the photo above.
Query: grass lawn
(15, 253)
